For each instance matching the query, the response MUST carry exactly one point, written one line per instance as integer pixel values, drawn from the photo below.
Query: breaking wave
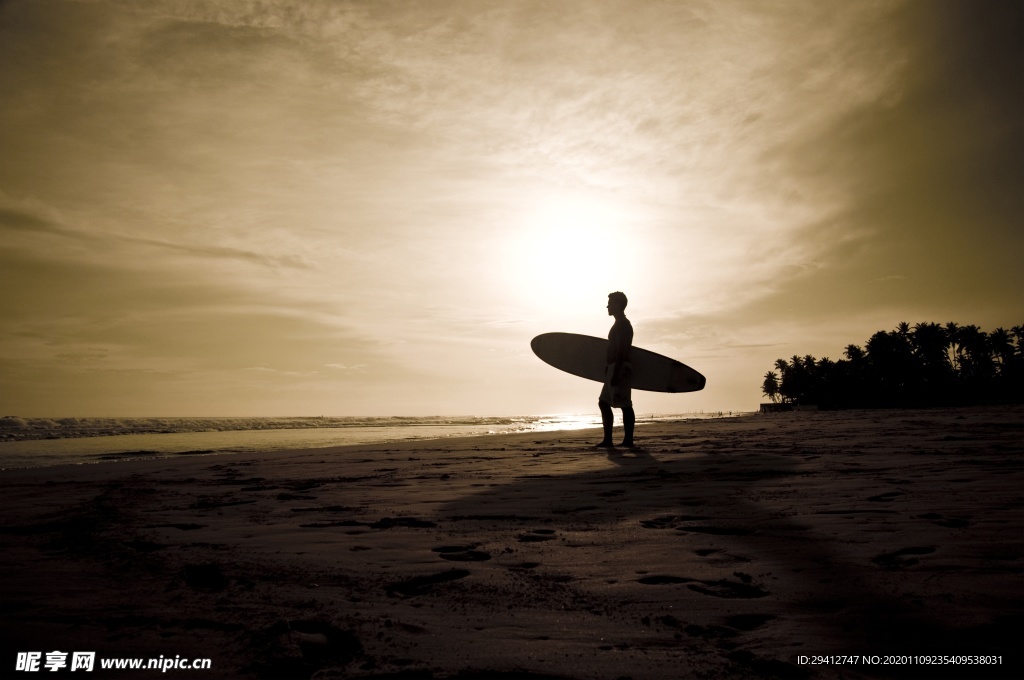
(43, 442)
(13, 428)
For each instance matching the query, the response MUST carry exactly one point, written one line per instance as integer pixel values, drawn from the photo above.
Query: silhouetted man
(618, 373)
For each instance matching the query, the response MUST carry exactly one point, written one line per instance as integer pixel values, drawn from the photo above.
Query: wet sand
(723, 548)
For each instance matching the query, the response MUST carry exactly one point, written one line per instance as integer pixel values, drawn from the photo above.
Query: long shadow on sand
(721, 512)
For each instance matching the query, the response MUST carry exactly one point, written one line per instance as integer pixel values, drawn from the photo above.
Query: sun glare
(569, 252)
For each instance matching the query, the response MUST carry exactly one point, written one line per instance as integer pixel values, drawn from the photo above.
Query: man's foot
(604, 445)
(629, 445)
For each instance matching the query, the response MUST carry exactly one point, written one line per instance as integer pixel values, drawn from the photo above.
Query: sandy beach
(795, 545)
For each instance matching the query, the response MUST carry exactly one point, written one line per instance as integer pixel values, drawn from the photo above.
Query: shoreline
(261, 440)
(723, 547)
(48, 429)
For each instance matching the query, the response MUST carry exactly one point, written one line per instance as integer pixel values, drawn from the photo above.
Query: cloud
(123, 331)
(684, 113)
(343, 367)
(366, 185)
(29, 223)
(278, 372)
(23, 221)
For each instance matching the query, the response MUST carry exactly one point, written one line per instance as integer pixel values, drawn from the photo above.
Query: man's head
(617, 303)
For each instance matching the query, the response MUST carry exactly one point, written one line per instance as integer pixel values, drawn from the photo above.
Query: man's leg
(628, 419)
(606, 422)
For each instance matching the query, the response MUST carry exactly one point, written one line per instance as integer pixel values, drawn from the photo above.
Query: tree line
(928, 364)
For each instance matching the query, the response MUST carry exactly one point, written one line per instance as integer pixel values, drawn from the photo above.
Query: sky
(306, 207)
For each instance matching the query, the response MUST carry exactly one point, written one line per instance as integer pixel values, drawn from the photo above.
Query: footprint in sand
(319, 644)
(662, 522)
(949, 522)
(748, 622)
(715, 531)
(338, 523)
(420, 585)
(407, 522)
(661, 580)
(328, 508)
(723, 588)
(900, 559)
(666, 521)
(182, 526)
(728, 589)
(885, 497)
(461, 553)
(719, 557)
(537, 536)
(709, 632)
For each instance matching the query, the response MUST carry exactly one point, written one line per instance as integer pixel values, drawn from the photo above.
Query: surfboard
(584, 356)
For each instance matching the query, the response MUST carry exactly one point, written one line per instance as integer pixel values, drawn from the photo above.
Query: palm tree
(924, 365)
(770, 386)
(854, 353)
(929, 341)
(1018, 334)
(892, 366)
(852, 374)
(1002, 348)
(953, 345)
(976, 359)
(1013, 372)
(797, 386)
(785, 380)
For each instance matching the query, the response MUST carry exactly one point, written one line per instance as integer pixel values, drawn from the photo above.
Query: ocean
(44, 442)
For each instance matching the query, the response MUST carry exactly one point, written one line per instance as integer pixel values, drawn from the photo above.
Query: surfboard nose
(695, 382)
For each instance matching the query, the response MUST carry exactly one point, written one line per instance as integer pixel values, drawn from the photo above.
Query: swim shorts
(618, 396)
